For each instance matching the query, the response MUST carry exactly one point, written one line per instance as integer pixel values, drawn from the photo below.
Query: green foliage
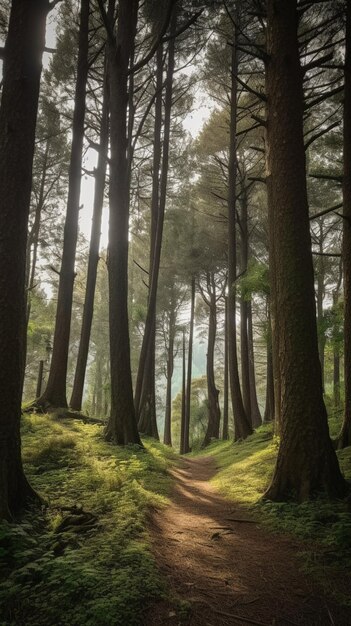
(101, 573)
(255, 280)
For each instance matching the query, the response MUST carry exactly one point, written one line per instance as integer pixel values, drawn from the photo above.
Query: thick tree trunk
(214, 413)
(242, 427)
(306, 461)
(167, 438)
(100, 177)
(225, 431)
(256, 418)
(122, 426)
(345, 435)
(18, 113)
(186, 444)
(55, 392)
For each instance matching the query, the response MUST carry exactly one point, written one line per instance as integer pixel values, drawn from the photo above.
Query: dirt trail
(231, 572)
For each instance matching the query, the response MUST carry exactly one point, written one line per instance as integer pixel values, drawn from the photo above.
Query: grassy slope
(244, 471)
(103, 575)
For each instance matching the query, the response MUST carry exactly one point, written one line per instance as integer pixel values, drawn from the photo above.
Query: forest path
(231, 572)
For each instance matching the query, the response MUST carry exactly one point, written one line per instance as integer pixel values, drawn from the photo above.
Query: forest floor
(223, 568)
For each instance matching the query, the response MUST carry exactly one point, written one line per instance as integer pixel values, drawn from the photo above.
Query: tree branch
(326, 211)
(138, 66)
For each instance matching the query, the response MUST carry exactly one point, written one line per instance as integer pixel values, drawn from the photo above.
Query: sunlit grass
(103, 575)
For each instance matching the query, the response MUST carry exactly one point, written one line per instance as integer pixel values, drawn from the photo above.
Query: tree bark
(146, 408)
(122, 425)
(269, 408)
(225, 431)
(306, 461)
(100, 177)
(167, 439)
(18, 114)
(256, 418)
(320, 299)
(186, 444)
(345, 435)
(182, 416)
(55, 392)
(242, 427)
(214, 413)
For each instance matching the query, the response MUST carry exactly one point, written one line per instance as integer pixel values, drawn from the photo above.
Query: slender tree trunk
(99, 395)
(146, 410)
(345, 435)
(122, 426)
(55, 392)
(256, 418)
(148, 337)
(167, 439)
(242, 427)
(100, 177)
(306, 460)
(244, 340)
(18, 113)
(214, 414)
(33, 239)
(186, 445)
(320, 298)
(182, 416)
(225, 431)
(269, 408)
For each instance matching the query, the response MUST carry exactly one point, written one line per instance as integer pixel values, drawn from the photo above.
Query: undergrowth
(56, 571)
(244, 471)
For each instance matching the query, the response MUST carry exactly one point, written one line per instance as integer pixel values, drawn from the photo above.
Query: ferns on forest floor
(96, 573)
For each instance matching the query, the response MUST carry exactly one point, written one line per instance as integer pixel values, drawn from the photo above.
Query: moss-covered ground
(85, 558)
(244, 472)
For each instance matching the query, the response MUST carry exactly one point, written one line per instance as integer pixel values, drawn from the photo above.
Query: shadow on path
(229, 569)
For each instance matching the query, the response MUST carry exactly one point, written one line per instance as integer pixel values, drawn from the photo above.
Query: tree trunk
(100, 177)
(33, 238)
(256, 418)
(214, 414)
(244, 341)
(18, 113)
(167, 438)
(186, 445)
(148, 343)
(55, 392)
(122, 426)
(242, 427)
(183, 408)
(225, 431)
(99, 390)
(320, 298)
(146, 409)
(306, 461)
(345, 435)
(269, 408)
